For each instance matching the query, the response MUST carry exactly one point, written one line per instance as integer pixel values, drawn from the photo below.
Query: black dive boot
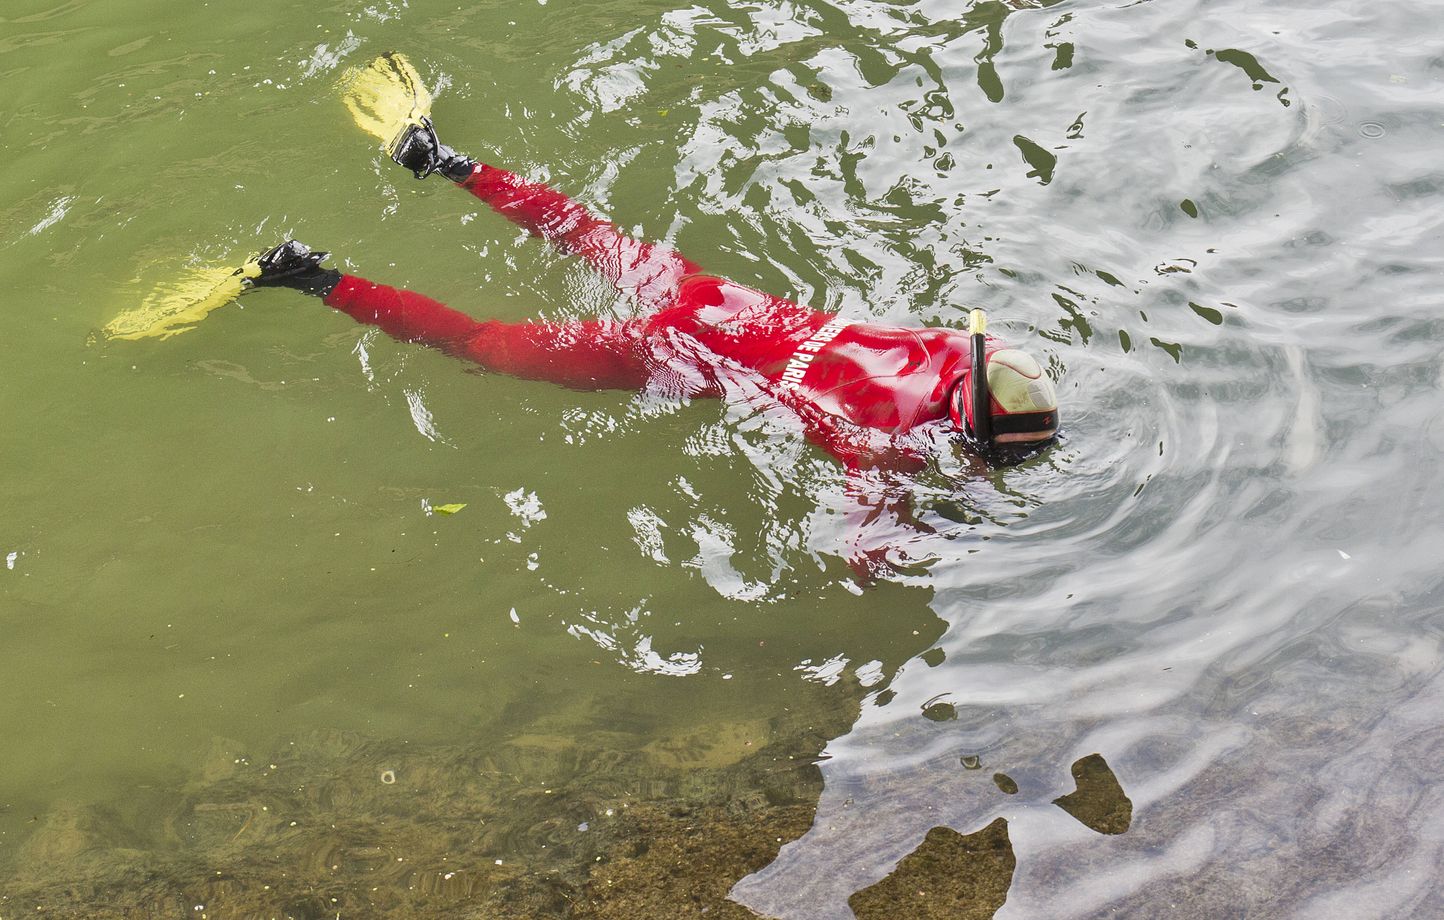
(417, 148)
(294, 265)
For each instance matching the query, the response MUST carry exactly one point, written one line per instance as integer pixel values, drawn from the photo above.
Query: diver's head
(1021, 405)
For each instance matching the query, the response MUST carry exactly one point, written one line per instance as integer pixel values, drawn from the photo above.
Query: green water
(222, 538)
(222, 586)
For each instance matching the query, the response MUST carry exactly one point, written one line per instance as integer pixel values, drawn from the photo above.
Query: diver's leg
(404, 315)
(584, 355)
(650, 272)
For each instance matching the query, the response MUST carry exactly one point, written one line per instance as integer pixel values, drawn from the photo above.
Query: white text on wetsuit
(801, 358)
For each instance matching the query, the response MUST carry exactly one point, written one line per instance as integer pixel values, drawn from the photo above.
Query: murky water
(1221, 223)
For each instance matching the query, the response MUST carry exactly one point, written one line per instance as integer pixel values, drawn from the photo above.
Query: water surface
(1219, 224)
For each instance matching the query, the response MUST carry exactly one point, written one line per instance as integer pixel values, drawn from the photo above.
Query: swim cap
(1022, 402)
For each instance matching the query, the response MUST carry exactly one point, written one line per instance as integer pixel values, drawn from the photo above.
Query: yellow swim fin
(176, 306)
(385, 96)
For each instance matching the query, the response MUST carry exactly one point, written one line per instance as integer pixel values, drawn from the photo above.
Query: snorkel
(982, 420)
(1005, 407)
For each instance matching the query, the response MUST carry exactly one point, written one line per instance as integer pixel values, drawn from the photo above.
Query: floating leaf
(448, 509)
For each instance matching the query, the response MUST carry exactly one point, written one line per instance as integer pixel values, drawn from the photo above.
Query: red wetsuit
(856, 387)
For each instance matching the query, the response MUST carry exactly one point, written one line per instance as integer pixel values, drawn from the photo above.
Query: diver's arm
(881, 526)
(857, 448)
(878, 494)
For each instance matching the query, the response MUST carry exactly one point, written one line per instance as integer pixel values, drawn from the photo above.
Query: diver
(861, 391)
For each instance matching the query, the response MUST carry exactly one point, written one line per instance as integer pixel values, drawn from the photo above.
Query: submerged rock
(1099, 801)
(948, 877)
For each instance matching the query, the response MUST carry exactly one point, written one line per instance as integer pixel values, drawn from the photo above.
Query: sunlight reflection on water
(1218, 225)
